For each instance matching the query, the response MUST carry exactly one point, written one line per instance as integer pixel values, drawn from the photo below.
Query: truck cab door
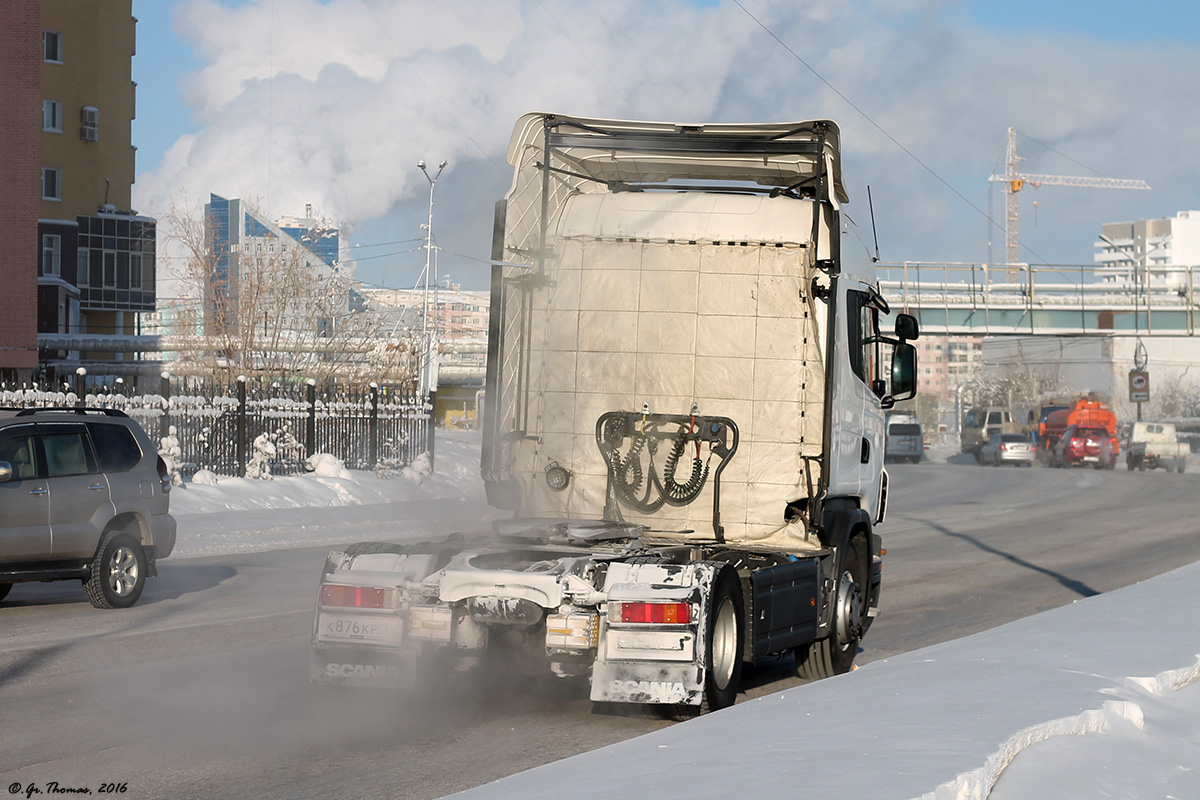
(858, 415)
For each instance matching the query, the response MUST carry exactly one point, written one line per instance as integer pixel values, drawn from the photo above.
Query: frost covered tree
(265, 303)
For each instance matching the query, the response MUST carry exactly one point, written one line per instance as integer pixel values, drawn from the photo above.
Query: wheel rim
(724, 644)
(849, 611)
(123, 571)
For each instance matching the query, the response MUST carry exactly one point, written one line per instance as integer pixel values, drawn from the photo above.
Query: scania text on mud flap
(686, 389)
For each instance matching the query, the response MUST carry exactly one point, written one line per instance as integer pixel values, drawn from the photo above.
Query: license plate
(1091, 458)
(347, 628)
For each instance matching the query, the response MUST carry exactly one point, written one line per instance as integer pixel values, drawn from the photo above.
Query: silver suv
(83, 496)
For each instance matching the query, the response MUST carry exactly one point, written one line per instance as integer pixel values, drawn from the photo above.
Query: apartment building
(83, 256)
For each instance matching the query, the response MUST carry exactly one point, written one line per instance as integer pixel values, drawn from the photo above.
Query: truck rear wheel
(726, 636)
(835, 654)
(725, 641)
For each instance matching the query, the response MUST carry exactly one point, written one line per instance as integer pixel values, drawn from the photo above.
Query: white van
(904, 440)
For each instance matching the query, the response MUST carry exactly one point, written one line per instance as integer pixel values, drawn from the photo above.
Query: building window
(52, 46)
(51, 184)
(82, 271)
(52, 116)
(51, 254)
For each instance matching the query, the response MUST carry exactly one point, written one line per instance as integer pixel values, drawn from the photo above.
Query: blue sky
(1106, 84)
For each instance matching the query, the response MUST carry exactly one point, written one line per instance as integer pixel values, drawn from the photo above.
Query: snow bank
(331, 484)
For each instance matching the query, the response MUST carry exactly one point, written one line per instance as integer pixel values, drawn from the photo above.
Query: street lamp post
(429, 337)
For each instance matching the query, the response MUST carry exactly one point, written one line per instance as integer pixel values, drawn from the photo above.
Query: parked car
(84, 495)
(903, 439)
(1008, 448)
(1085, 447)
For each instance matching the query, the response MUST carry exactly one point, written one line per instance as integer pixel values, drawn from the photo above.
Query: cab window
(863, 338)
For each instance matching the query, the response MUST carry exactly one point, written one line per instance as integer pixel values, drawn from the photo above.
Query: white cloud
(332, 103)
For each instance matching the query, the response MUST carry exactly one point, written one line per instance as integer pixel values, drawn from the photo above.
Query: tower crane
(1014, 180)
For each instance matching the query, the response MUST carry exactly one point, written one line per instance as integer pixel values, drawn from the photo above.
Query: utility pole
(429, 335)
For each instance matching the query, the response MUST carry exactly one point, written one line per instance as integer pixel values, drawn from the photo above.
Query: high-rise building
(20, 116)
(250, 254)
(1144, 252)
(66, 152)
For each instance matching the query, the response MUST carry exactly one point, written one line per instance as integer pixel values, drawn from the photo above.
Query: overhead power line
(872, 122)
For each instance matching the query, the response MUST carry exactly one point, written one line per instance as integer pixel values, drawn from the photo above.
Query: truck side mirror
(904, 370)
(907, 327)
(5, 472)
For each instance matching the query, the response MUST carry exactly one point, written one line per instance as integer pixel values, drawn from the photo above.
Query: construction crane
(1014, 180)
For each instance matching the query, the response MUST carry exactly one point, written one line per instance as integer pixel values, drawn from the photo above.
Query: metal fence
(255, 429)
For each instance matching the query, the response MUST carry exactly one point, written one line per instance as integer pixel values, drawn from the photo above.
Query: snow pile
(205, 477)
(332, 504)
(331, 484)
(327, 465)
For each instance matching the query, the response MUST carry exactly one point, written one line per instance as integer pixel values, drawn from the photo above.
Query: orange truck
(1083, 413)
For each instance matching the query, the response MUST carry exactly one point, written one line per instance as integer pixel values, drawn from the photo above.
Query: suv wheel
(5, 588)
(118, 571)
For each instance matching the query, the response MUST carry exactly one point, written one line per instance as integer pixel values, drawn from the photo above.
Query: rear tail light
(337, 596)
(1003, 447)
(654, 613)
(164, 475)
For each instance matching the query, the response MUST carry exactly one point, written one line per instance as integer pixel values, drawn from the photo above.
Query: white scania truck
(685, 405)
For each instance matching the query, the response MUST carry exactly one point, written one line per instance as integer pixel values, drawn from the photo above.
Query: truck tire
(835, 654)
(1179, 465)
(726, 629)
(118, 572)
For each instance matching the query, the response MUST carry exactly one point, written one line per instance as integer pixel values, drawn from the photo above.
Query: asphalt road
(201, 689)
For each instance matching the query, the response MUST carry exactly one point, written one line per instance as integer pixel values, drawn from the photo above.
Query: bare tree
(269, 306)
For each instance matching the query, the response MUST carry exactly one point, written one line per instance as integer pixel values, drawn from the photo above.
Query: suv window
(116, 448)
(1013, 437)
(904, 429)
(67, 450)
(17, 448)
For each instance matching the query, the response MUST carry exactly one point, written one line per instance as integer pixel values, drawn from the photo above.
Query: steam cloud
(332, 103)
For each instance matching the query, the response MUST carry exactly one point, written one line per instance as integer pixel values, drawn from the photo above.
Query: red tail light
(656, 613)
(1003, 446)
(353, 596)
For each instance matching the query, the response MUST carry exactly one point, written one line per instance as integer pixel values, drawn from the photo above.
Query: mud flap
(647, 682)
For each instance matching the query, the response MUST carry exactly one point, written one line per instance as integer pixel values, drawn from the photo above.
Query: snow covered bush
(418, 470)
(260, 463)
(172, 454)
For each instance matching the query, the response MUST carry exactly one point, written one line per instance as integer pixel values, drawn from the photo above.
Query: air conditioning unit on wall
(89, 133)
(90, 115)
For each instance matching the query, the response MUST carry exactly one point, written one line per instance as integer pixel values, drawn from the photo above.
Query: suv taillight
(164, 475)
